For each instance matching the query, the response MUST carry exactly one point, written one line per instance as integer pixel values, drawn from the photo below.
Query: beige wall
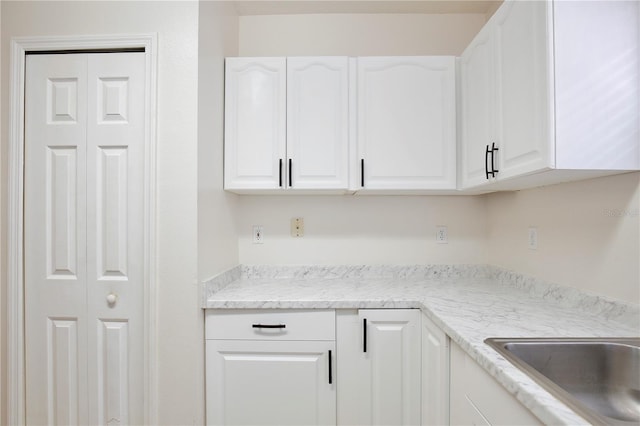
(588, 234)
(357, 34)
(363, 229)
(217, 237)
(179, 345)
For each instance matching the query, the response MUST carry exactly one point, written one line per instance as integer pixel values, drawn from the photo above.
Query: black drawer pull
(364, 335)
(330, 374)
(269, 326)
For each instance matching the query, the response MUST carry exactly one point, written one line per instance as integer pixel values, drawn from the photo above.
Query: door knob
(111, 299)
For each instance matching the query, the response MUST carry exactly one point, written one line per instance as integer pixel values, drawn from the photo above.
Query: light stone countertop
(469, 302)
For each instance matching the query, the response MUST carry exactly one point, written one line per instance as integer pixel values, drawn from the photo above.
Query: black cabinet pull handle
(486, 161)
(493, 154)
(362, 172)
(280, 174)
(269, 326)
(290, 185)
(330, 368)
(364, 335)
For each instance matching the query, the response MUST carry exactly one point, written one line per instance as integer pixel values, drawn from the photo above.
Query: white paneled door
(84, 254)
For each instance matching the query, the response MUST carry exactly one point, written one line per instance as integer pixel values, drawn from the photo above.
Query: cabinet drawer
(262, 324)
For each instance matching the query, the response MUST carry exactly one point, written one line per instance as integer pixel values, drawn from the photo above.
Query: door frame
(15, 255)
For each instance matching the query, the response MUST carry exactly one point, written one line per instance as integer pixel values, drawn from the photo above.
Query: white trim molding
(15, 255)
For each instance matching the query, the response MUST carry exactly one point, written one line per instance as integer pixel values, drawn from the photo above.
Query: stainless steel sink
(599, 378)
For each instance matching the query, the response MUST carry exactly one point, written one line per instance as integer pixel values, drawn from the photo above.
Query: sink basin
(598, 378)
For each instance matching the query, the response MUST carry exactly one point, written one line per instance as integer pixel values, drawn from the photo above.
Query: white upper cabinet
(287, 124)
(318, 123)
(290, 124)
(551, 87)
(255, 123)
(477, 87)
(406, 123)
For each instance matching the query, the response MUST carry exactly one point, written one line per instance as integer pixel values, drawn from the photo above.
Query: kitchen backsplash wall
(588, 234)
(363, 229)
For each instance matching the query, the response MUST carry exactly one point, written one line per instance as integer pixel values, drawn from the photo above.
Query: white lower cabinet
(379, 362)
(435, 374)
(270, 367)
(346, 367)
(270, 383)
(478, 399)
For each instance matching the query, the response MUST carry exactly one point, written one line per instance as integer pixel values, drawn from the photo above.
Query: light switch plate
(297, 227)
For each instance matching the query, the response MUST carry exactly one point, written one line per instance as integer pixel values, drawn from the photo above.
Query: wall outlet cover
(258, 236)
(442, 235)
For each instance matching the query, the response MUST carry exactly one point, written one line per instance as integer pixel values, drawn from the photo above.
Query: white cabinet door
(256, 382)
(478, 127)
(478, 399)
(255, 123)
(523, 90)
(435, 374)
(406, 122)
(379, 367)
(318, 123)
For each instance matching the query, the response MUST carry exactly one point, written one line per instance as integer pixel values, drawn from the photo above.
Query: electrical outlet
(533, 238)
(258, 236)
(297, 227)
(442, 235)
